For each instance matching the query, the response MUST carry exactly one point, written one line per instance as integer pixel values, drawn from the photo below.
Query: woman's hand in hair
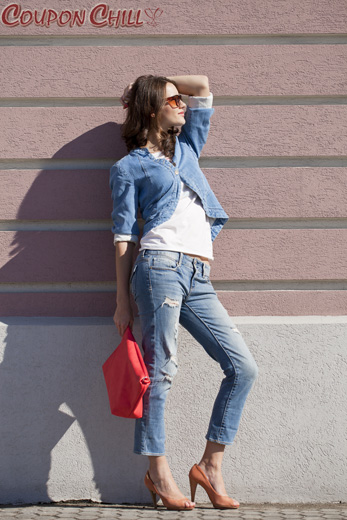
(126, 96)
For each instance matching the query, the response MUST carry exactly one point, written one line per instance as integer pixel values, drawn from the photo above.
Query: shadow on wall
(77, 194)
(57, 431)
(50, 367)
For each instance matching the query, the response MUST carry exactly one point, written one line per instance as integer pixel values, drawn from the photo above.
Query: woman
(170, 277)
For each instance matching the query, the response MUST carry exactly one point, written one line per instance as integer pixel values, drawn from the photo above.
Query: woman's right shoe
(198, 476)
(169, 503)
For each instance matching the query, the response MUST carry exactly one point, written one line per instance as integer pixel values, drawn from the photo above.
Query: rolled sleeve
(197, 125)
(124, 238)
(125, 203)
(200, 101)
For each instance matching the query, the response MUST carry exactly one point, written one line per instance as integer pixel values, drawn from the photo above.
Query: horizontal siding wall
(276, 154)
(241, 17)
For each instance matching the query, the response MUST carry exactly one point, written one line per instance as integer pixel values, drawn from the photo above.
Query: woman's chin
(179, 125)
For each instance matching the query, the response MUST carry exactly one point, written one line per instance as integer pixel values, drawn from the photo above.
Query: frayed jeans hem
(224, 443)
(147, 453)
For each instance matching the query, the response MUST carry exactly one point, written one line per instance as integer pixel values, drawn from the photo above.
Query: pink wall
(276, 155)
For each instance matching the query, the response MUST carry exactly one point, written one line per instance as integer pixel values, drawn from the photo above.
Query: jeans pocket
(163, 263)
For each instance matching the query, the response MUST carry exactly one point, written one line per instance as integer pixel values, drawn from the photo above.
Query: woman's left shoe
(169, 503)
(198, 476)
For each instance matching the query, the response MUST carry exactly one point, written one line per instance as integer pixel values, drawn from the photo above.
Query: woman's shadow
(53, 401)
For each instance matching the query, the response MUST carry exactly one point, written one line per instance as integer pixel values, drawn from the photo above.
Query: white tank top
(188, 230)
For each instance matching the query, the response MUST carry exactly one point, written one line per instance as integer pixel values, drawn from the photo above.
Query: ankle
(157, 461)
(211, 465)
(159, 465)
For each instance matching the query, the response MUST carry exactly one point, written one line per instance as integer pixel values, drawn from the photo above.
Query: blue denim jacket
(139, 180)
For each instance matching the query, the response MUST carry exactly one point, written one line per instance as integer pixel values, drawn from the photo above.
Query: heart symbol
(153, 15)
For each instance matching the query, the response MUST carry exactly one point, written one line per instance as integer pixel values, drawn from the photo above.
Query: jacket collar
(144, 151)
(140, 151)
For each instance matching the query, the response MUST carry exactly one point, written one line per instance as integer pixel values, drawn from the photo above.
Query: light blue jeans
(171, 288)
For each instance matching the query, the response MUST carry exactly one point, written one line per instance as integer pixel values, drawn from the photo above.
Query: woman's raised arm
(192, 85)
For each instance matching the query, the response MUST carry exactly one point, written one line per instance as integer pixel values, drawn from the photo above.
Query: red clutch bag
(126, 378)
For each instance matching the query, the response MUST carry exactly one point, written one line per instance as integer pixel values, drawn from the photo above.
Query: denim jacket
(139, 180)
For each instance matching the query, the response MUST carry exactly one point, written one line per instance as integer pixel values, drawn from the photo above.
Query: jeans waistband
(182, 258)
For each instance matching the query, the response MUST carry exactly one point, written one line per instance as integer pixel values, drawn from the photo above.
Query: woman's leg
(208, 322)
(203, 315)
(158, 297)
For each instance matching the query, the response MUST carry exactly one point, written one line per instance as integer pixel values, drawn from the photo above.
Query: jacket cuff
(200, 101)
(124, 238)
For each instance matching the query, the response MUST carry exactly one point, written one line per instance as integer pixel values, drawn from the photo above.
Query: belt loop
(203, 268)
(180, 258)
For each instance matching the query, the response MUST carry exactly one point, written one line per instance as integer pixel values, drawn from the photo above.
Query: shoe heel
(193, 485)
(154, 498)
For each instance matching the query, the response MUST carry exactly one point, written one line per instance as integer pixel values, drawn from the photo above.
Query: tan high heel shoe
(169, 503)
(198, 476)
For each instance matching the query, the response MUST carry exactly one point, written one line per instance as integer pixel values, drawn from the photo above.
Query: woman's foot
(163, 480)
(211, 464)
(214, 475)
(220, 501)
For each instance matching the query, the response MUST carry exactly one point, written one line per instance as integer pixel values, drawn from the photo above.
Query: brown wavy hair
(147, 95)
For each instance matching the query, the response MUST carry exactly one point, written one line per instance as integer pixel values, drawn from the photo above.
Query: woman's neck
(152, 145)
(152, 141)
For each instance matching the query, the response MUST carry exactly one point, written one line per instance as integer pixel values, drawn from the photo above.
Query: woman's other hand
(126, 96)
(123, 317)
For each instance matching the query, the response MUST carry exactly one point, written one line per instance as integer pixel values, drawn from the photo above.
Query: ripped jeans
(170, 288)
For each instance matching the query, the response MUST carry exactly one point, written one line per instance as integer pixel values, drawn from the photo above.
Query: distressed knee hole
(174, 360)
(170, 302)
(171, 369)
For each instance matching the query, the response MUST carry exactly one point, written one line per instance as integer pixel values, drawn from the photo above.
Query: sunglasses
(174, 101)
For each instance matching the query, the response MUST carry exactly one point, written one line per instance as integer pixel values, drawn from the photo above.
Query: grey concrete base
(59, 440)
